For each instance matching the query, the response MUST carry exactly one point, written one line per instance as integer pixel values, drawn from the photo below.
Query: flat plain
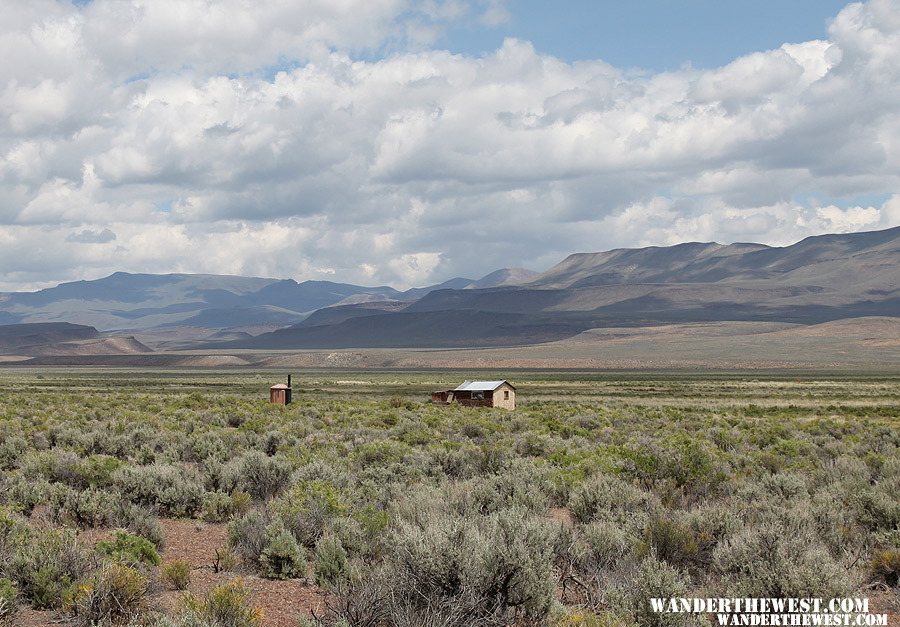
(362, 502)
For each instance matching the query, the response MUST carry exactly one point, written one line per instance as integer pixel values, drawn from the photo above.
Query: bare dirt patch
(282, 602)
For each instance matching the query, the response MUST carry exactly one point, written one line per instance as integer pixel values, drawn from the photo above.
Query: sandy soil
(282, 602)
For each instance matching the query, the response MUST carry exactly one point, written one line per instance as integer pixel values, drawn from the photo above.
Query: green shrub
(281, 557)
(605, 497)
(228, 605)
(487, 568)
(240, 502)
(518, 484)
(588, 559)
(140, 522)
(206, 446)
(97, 470)
(884, 567)
(165, 489)
(216, 507)
(47, 567)
(247, 536)
(583, 618)
(331, 560)
(11, 451)
(15, 533)
(8, 600)
(116, 595)
(21, 493)
(672, 541)
(309, 508)
(261, 476)
(129, 549)
(177, 574)
(84, 509)
(775, 559)
(877, 507)
(603, 546)
(655, 579)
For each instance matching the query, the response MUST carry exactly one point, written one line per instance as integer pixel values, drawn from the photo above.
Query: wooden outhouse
(281, 394)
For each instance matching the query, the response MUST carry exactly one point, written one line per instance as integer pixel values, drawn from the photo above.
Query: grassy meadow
(600, 491)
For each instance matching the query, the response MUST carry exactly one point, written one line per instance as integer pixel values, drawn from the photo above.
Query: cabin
(281, 394)
(479, 394)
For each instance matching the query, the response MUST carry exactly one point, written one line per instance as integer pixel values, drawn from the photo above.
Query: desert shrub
(603, 545)
(225, 559)
(129, 549)
(784, 486)
(11, 448)
(116, 595)
(271, 441)
(331, 560)
(486, 568)
(138, 521)
(281, 557)
(877, 508)
(775, 560)
(228, 605)
(8, 600)
(671, 540)
(454, 463)
(689, 465)
(22, 493)
(261, 476)
(97, 470)
(216, 507)
(166, 489)
(837, 525)
(15, 533)
(605, 497)
(708, 525)
(361, 599)
(206, 446)
(177, 574)
(47, 567)
(235, 420)
(654, 579)
(308, 509)
(518, 484)
(240, 502)
(884, 567)
(588, 561)
(84, 509)
(247, 536)
(584, 618)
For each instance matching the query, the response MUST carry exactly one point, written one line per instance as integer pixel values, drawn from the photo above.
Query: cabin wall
(505, 397)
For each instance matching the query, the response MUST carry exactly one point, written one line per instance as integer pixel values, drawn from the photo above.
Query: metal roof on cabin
(481, 386)
(280, 386)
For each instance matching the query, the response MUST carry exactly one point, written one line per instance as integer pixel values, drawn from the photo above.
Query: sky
(405, 142)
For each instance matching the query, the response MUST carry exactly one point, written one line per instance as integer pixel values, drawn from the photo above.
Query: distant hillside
(504, 276)
(140, 302)
(104, 346)
(19, 337)
(819, 279)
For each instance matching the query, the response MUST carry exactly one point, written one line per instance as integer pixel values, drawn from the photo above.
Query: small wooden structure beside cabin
(479, 394)
(281, 394)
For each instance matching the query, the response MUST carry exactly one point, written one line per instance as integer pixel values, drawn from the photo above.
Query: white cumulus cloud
(331, 139)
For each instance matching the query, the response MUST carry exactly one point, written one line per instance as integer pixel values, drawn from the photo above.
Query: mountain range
(820, 279)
